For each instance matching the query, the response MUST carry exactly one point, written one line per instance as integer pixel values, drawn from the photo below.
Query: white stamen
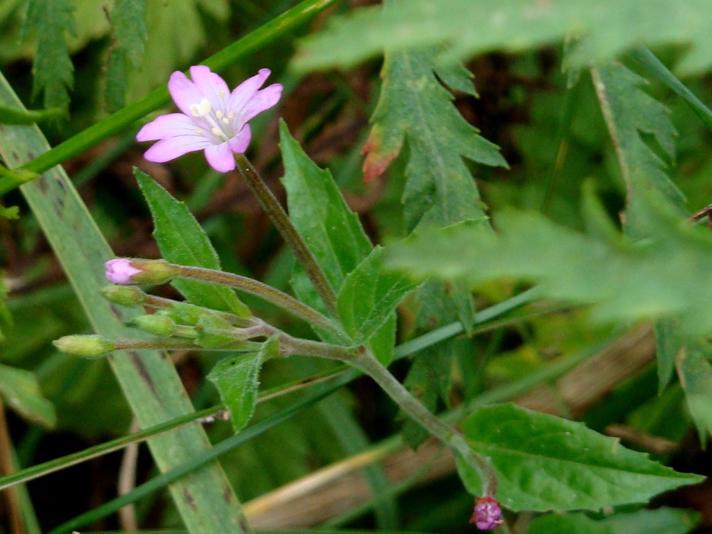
(230, 115)
(201, 109)
(217, 132)
(219, 114)
(225, 121)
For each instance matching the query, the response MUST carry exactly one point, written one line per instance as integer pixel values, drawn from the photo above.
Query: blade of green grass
(152, 387)
(200, 460)
(116, 122)
(656, 69)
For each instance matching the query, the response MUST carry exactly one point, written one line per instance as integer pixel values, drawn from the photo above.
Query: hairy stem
(279, 218)
(263, 291)
(366, 362)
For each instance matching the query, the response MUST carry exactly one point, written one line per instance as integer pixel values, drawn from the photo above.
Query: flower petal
(241, 141)
(220, 157)
(174, 147)
(261, 101)
(212, 86)
(184, 92)
(246, 90)
(166, 126)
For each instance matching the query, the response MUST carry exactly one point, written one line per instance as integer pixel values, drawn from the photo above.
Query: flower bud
(124, 295)
(85, 346)
(487, 515)
(156, 324)
(126, 271)
(185, 313)
(215, 332)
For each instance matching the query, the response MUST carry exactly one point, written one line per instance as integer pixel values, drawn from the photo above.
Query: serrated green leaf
(115, 89)
(544, 462)
(20, 390)
(330, 229)
(630, 112)
(52, 67)
(414, 107)
(369, 296)
(464, 28)
(665, 276)
(695, 373)
(237, 380)
(181, 240)
(129, 35)
(129, 27)
(660, 521)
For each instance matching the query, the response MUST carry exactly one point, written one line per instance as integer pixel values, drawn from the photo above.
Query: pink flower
(487, 514)
(214, 119)
(120, 271)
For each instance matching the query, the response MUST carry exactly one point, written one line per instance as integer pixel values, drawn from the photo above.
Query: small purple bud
(487, 514)
(126, 271)
(120, 271)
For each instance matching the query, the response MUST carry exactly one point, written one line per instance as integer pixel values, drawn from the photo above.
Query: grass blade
(197, 462)
(150, 382)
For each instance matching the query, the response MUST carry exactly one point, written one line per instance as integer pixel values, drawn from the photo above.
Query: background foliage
(521, 143)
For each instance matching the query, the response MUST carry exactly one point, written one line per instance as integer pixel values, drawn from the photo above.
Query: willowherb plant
(568, 281)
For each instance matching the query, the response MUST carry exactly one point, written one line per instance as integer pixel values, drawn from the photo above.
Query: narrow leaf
(21, 391)
(181, 240)
(330, 229)
(548, 463)
(369, 296)
(237, 380)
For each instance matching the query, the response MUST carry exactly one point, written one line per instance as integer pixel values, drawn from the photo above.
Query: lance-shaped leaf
(330, 229)
(20, 390)
(544, 462)
(237, 379)
(660, 521)
(463, 28)
(181, 240)
(369, 296)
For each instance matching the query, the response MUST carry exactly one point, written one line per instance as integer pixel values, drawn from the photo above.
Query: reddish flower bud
(125, 271)
(487, 515)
